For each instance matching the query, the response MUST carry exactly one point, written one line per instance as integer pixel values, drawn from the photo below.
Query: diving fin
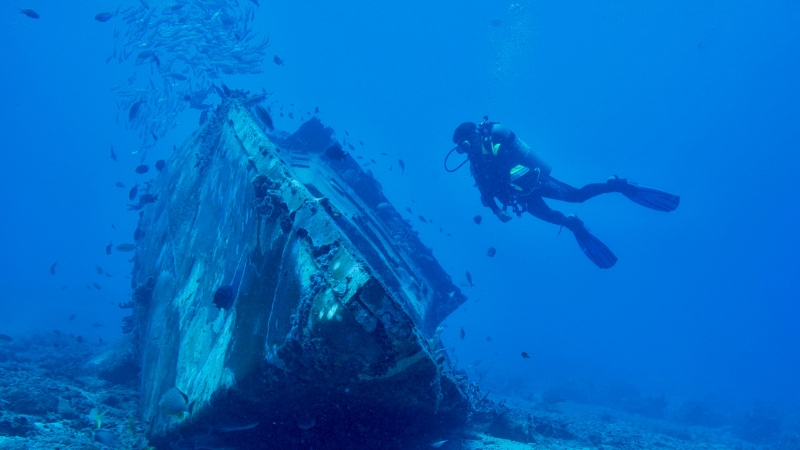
(592, 247)
(647, 196)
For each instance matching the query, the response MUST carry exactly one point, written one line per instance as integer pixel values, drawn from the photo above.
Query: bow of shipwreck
(330, 303)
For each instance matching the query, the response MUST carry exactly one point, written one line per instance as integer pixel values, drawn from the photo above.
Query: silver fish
(134, 110)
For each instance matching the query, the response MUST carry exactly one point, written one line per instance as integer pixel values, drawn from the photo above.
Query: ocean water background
(702, 100)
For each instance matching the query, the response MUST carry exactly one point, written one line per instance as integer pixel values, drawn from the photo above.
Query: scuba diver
(506, 169)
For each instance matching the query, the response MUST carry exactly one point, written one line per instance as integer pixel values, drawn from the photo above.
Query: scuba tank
(485, 131)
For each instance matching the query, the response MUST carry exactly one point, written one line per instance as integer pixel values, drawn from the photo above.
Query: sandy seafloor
(47, 392)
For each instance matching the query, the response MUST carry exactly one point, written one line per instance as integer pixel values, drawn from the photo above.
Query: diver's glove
(502, 215)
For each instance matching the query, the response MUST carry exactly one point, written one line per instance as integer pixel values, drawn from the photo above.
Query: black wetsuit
(507, 169)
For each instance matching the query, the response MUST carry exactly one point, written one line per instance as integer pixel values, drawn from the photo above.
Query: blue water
(700, 99)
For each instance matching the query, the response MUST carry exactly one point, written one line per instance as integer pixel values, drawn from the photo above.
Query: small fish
(349, 145)
(97, 325)
(155, 138)
(64, 287)
(346, 133)
(134, 190)
(477, 219)
(79, 338)
(53, 268)
(119, 184)
(402, 166)
(438, 444)
(175, 403)
(135, 109)
(488, 339)
(106, 438)
(160, 164)
(144, 56)
(98, 269)
(103, 16)
(232, 428)
(291, 115)
(316, 110)
(108, 275)
(491, 252)
(525, 355)
(335, 152)
(469, 279)
(263, 116)
(224, 297)
(97, 286)
(475, 364)
(71, 317)
(361, 142)
(125, 247)
(142, 168)
(147, 198)
(113, 155)
(108, 248)
(462, 334)
(306, 423)
(5, 338)
(409, 210)
(30, 13)
(95, 415)
(422, 219)
(277, 60)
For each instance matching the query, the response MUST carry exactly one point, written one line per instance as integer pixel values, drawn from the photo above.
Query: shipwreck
(280, 291)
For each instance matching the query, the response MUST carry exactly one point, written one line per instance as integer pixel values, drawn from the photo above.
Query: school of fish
(180, 51)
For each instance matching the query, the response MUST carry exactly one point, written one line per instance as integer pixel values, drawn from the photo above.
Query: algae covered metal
(276, 287)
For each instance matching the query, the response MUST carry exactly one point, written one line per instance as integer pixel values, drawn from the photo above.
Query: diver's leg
(558, 190)
(536, 206)
(644, 195)
(592, 247)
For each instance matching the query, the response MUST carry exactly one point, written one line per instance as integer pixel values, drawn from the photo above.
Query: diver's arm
(489, 202)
